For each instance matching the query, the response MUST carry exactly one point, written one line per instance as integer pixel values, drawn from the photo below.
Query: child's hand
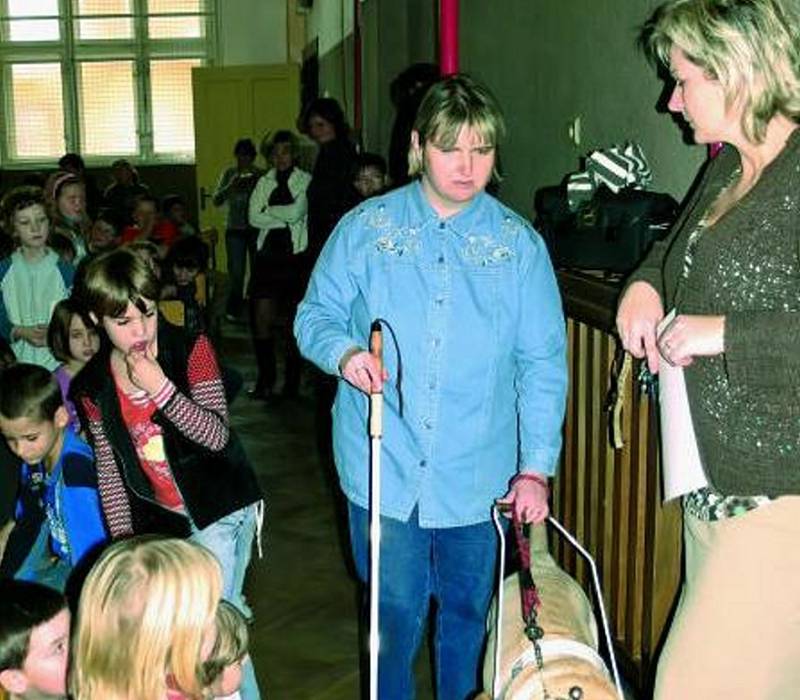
(144, 370)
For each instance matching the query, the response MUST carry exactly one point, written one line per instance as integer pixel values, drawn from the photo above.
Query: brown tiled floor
(305, 635)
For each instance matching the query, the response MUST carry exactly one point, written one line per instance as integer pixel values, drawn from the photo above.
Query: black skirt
(277, 273)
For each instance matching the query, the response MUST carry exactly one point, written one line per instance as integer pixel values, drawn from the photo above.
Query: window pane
(157, 7)
(174, 27)
(108, 28)
(100, 29)
(173, 113)
(107, 107)
(33, 29)
(37, 106)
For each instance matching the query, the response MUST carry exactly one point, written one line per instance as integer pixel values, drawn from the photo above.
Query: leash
(531, 602)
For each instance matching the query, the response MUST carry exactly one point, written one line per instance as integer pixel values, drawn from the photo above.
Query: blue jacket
(474, 344)
(74, 517)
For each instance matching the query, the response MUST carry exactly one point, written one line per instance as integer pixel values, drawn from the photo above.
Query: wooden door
(233, 103)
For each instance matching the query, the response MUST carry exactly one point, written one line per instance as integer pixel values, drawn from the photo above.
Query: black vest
(212, 484)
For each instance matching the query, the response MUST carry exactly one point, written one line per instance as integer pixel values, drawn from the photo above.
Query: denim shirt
(474, 344)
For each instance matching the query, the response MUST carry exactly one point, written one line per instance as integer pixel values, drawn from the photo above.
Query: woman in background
(331, 193)
(278, 209)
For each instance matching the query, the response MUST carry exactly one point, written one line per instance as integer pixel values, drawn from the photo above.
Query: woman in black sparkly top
(731, 271)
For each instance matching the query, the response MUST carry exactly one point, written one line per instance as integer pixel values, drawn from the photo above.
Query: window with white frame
(102, 78)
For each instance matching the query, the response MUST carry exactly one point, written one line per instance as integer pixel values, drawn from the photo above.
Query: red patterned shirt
(148, 439)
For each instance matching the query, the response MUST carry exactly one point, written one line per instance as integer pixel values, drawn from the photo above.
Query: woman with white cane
(473, 382)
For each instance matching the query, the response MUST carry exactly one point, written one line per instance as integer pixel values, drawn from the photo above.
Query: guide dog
(571, 666)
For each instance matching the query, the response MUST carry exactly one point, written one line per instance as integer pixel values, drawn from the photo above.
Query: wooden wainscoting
(611, 499)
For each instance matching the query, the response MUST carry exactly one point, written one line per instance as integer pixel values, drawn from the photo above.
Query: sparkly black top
(745, 403)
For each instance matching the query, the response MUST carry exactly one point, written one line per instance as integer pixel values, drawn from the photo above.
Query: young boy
(58, 507)
(184, 262)
(148, 224)
(370, 177)
(34, 641)
(173, 207)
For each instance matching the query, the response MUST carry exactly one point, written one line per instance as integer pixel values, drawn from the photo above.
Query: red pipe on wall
(357, 77)
(448, 37)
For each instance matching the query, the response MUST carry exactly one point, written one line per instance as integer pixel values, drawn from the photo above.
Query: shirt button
(428, 423)
(441, 259)
(441, 225)
(439, 301)
(423, 463)
(436, 342)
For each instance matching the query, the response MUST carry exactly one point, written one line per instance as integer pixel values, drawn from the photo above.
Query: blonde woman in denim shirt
(467, 290)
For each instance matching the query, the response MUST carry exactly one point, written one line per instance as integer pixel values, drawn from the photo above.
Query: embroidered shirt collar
(461, 223)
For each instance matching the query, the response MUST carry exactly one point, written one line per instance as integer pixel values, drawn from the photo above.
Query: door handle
(203, 197)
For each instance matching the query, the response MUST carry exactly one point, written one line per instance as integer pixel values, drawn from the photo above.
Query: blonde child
(32, 279)
(222, 668)
(73, 340)
(146, 616)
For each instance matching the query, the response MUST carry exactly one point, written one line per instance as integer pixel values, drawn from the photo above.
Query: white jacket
(265, 217)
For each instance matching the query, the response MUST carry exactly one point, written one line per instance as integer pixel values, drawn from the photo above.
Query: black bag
(610, 232)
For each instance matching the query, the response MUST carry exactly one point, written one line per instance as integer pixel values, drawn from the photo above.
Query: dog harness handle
(527, 586)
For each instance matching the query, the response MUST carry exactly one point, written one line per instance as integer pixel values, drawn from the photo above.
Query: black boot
(265, 362)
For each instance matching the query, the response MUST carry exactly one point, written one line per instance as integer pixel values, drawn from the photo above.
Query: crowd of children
(115, 430)
(115, 425)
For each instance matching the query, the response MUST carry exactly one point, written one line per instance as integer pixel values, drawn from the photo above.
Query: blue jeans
(40, 566)
(230, 539)
(240, 244)
(456, 567)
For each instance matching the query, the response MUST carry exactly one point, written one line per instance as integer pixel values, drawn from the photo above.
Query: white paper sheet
(681, 468)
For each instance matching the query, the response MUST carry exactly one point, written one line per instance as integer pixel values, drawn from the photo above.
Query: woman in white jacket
(278, 208)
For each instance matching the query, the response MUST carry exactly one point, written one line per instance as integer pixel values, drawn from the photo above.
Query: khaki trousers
(736, 632)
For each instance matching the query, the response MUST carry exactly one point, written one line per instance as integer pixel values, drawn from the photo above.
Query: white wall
(252, 32)
(330, 21)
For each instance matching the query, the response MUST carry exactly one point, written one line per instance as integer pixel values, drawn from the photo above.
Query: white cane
(375, 434)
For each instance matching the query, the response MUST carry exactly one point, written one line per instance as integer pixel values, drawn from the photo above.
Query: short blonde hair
(449, 105)
(752, 47)
(145, 611)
